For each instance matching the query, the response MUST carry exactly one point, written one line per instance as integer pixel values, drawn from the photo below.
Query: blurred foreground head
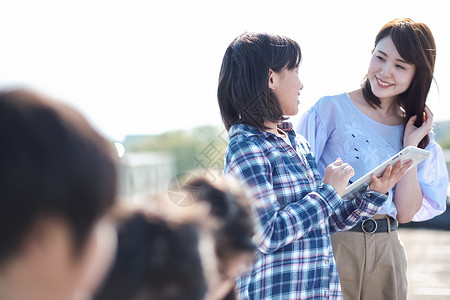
(57, 180)
(233, 229)
(183, 253)
(157, 258)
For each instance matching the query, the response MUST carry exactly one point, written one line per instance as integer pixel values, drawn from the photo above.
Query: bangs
(286, 55)
(413, 41)
(404, 43)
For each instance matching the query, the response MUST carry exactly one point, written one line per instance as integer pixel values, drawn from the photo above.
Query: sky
(147, 67)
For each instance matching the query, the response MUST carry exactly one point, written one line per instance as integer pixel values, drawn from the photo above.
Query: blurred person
(157, 258)
(367, 126)
(233, 232)
(173, 253)
(295, 209)
(57, 181)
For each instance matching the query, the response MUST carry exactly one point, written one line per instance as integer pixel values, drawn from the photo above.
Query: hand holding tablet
(409, 153)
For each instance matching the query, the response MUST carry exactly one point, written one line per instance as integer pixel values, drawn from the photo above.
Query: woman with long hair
(367, 126)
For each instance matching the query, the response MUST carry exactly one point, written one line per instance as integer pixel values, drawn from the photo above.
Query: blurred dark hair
(243, 92)
(415, 44)
(230, 207)
(155, 259)
(52, 163)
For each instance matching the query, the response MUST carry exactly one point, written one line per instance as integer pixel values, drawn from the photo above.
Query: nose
(301, 85)
(386, 70)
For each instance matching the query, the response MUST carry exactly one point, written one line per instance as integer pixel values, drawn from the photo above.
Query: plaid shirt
(296, 214)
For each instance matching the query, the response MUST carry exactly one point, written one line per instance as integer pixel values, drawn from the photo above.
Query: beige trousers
(371, 266)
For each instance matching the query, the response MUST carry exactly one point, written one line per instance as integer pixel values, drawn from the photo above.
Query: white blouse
(335, 127)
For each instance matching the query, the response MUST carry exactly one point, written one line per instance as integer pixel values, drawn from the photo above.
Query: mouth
(382, 83)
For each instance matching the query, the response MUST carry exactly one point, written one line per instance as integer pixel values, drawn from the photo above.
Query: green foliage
(201, 147)
(445, 144)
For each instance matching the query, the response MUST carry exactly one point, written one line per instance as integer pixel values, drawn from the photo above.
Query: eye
(401, 67)
(380, 58)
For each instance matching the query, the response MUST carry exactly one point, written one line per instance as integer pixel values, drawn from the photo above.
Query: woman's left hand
(413, 135)
(390, 177)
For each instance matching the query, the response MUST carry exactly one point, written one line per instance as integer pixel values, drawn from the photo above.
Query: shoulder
(327, 107)
(245, 139)
(247, 155)
(332, 100)
(244, 144)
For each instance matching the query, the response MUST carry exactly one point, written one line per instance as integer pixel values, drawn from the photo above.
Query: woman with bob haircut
(295, 210)
(367, 126)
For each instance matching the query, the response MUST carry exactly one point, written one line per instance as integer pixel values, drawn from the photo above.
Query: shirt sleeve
(277, 226)
(433, 179)
(353, 211)
(313, 129)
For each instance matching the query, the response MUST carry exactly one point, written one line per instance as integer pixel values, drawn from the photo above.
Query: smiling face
(287, 86)
(389, 74)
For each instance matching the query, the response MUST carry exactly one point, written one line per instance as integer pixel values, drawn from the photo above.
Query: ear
(273, 79)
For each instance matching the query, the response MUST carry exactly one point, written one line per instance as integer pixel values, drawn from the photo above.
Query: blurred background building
(144, 175)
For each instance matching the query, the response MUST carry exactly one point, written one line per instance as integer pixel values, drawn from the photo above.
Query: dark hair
(415, 44)
(155, 259)
(243, 91)
(52, 164)
(230, 206)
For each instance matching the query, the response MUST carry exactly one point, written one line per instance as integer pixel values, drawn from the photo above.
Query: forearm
(281, 220)
(352, 211)
(279, 227)
(408, 196)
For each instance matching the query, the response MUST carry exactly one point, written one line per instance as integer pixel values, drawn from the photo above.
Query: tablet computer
(405, 155)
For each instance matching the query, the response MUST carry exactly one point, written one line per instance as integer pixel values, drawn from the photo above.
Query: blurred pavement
(428, 253)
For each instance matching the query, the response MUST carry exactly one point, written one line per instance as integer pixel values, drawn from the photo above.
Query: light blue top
(335, 127)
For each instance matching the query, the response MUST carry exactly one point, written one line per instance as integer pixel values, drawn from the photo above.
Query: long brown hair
(415, 44)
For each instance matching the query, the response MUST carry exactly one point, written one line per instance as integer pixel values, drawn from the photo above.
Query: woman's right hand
(337, 175)
(391, 175)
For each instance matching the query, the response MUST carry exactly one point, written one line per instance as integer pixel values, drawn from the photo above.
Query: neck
(389, 112)
(388, 106)
(273, 128)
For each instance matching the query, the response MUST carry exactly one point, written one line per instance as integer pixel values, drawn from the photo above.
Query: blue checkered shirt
(295, 212)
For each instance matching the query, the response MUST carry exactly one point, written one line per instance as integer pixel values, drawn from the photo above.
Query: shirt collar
(249, 130)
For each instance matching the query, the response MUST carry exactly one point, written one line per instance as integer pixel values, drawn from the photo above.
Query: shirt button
(368, 195)
(325, 261)
(309, 176)
(357, 212)
(324, 231)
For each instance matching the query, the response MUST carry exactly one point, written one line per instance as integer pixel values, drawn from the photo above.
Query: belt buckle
(374, 227)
